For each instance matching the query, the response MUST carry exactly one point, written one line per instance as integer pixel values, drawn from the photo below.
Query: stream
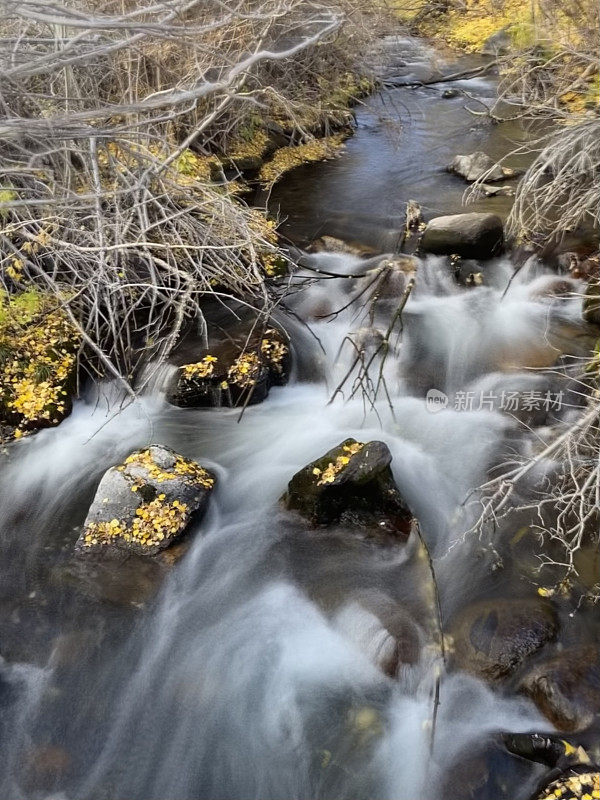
(255, 674)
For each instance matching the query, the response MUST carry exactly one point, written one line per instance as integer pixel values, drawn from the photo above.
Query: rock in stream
(351, 485)
(566, 688)
(234, 372)
(146, 503)
(475, 166)
(494, 637)
(476, 235)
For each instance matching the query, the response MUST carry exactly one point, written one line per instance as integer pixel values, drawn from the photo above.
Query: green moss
(6, 196)
(21, 309)
(288, 158)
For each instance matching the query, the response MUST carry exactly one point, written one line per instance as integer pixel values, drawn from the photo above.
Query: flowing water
(262, 668)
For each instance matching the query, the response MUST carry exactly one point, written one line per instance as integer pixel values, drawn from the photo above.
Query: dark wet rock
(587, 268)
(477, 165)
(494, 637)
(146, 504)
(448, 94)
(330, 244)
(478, 236)
(567, 262)
(581, 266)
(234, 372)
(474, 279)
(566, 688)
(543, 749)
(591, 302)
(351, 485)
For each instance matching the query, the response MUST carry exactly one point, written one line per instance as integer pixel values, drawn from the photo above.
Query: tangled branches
(559, 488)
(115, 117)
(560, 190)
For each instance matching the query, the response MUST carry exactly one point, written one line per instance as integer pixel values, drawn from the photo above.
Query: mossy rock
(234, 372)
(351, 485)
(38, 362)
(493, 638)
(146, 504)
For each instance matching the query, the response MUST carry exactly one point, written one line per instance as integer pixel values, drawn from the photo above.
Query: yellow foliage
(274, 350)
(253, 147)
(468, 25)
(288, 158)
(191, 472)
(38, 357)
(245, 370)
(333, 469)
(156, 520)
(201, 369)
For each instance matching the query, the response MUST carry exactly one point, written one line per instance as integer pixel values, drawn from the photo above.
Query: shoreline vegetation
(131, 137)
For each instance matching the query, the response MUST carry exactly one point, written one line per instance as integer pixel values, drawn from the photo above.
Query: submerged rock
(478, 236)
(45, 766)
(330, 244)
(234, 372)
(351, 485)
(475, 166)
(494, 637)
(147, 503)
(497, 191)
(382, 630)
(566, 688)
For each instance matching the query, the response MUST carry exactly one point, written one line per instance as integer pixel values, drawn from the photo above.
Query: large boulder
(233, 372)
(475, 235)
(494, 637)
(566, 688)
(146, 504)
(474, 166)
(351, 485)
